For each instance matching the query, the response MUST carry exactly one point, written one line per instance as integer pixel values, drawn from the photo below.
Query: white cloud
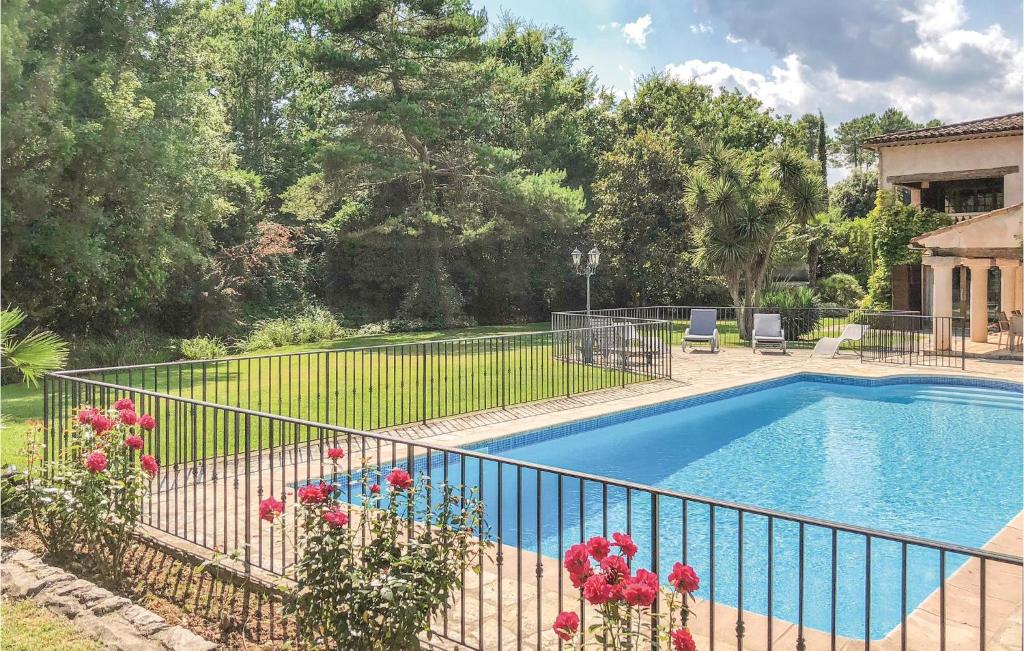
(782, 88)
(636, 32)
(611, 25)
(701, 28)
(733, 39)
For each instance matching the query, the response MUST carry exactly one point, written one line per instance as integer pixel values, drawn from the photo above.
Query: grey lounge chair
(768, 330)
(830, 345)
(703, 328)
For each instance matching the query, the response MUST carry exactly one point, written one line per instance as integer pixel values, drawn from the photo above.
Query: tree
(822, 147)
(847, 148)
(854, 196)
(31, 356)
(744, 204)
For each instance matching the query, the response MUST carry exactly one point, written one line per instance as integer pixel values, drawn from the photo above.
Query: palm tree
(743, 205)
(31, 356)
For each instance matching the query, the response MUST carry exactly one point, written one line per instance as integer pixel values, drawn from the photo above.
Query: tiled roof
(1002, 123)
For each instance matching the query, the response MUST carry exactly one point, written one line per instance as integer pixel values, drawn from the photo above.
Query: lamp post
(593, 257)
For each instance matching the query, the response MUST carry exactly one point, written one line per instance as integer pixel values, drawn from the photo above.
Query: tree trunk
(813, 252)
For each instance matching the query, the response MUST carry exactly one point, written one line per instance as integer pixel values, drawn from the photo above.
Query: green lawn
(27, 626)
(393, 384)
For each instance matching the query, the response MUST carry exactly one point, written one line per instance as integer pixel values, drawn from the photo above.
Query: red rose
(86, 415)
(579, 578)
(566, 625)
(615, 568)
(642, 589)
(128, 417)
(124, 403)
(596, 590)
(625, 544)
(96, 461)
(598, 547)
(683, 578)
(400, 479)
(335, 453)
(149, 464)
(375, 489)
(134, 442)
(336, 518)
(682, 640)
(147, 422)
(100, 423)
(577, 560)
(270, 508)
(326, 489)
(311, 494)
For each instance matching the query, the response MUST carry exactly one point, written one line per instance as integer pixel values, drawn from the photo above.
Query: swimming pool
(916, 456)
(938, 458)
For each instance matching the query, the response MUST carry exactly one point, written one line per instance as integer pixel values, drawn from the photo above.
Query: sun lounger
(768, 330)
(703, 328)
(829, 346)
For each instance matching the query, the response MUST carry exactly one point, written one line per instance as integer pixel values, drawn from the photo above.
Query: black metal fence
(769, 579)
(893, 336)
(914, 339)
(375, 387)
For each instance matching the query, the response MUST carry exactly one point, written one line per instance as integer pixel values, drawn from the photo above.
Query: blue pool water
(924, 459)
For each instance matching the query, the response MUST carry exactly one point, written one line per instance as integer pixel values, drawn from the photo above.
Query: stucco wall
(955, 156)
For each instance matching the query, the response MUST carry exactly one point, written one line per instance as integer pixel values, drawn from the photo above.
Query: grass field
(408, 377)
(27, 626)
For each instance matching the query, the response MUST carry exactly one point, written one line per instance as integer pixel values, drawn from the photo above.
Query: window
(975, 195)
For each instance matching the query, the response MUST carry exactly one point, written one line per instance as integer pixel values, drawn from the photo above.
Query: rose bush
(623, 599)
(372, 575)
(88, 497)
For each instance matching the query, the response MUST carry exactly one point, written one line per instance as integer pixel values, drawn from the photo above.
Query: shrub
(840, 289)
(315, 324)
(799, 309)
(89, 499)
(379, 584)
(623, 599)
(392, 325)
(202, 348)
(128, 347)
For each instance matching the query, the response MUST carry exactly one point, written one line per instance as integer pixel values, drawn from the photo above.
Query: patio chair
(703, 328)
(830, 345)
(768, 330)
(1003, 328)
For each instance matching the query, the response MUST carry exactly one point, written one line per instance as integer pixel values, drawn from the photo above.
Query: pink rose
(311, 494)
(134, 442)
(271, 508)
(100, 423)
(123, 404)
(375, 489)
(682, 640)
(642, 589)
(96, 461)
(577, 559)
(615, 568)
(86, 415)
(147, 422)
(400, 479)
(149, 464)
(128, 417)
(683, 578)
(566, 625)
(625, 544)
(597, 591)
(336, 518)
(598, 547)
(335, 454)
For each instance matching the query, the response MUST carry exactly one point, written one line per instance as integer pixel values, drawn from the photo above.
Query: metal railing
(762, 571)
(895, 336)
(375, 387)
(914, 339)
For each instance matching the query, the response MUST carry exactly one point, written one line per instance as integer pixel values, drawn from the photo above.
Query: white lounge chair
(703, 328)
(768, 330)
(830, 345)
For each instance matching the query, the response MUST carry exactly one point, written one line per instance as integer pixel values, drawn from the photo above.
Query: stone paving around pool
(211, 513)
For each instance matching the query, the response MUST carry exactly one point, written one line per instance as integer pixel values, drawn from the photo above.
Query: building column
(942, 298)
(979, 298)
(1008, 290)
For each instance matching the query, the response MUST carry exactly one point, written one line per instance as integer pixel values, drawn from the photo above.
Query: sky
(948, 59)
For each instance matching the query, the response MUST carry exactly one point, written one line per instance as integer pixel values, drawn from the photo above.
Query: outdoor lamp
(576, 256)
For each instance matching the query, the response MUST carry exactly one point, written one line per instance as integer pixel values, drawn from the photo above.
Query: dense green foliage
(893, 224)
(854, 196)
(197, 168)
(840, 289)
(799, 308)
(847, 148)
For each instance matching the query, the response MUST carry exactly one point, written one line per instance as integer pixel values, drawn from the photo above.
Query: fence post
(423, 382)
(46, 417)
(248, 504)
(566, 362)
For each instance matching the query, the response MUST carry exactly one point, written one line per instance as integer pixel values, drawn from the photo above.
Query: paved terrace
(511, 606)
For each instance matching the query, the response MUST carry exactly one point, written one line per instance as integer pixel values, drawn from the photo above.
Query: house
(972, 171)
